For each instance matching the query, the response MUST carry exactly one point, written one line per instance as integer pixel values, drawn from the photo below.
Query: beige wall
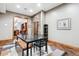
(6, 25)
(70, 37)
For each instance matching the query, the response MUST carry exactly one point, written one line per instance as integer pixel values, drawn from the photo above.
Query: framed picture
(64, 24)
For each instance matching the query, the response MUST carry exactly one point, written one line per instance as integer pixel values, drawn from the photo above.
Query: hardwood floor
(70, 50)
(4, 42)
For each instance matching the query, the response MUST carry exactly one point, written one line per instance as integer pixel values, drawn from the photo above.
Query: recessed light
(31, 10)
(38, 4)
(5, 24)
(18, 6)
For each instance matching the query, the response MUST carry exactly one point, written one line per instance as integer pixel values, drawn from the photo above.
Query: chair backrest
(41, 42)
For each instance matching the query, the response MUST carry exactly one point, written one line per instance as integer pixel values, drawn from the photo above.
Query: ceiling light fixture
(38, 4)
(5, 24)
(18, 6)
(31, 10)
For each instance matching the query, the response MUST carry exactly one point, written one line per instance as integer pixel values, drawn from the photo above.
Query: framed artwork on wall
(64, 24)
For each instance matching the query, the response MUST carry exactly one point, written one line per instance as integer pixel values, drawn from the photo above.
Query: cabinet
(46, 30)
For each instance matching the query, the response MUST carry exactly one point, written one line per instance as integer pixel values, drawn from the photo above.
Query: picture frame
(64, 24)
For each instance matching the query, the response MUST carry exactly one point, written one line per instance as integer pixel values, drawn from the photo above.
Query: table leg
(46, 48)
(27, 49)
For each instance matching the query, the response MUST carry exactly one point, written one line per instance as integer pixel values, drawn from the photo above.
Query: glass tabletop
(30, 39)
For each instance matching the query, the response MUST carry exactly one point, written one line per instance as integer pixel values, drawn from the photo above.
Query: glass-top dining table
(30, 40)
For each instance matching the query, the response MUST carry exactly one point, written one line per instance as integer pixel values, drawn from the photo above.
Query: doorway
(20, 27)
(35, 30)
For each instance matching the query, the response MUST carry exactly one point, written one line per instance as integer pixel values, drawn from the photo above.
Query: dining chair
(23, 45)
(41, 43)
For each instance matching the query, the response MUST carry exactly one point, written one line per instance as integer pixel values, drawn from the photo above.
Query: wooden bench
(23, 46)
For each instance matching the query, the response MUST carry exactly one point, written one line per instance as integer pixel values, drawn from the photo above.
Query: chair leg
(22, 52)
(40, 50)
(31, 51)
(15, 44)
(46, 49)
(34, 48)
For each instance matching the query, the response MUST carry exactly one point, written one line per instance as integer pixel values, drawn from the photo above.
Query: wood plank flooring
(4, 42)
(71, 50)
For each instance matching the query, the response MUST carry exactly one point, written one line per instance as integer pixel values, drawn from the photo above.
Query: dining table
(30, 40)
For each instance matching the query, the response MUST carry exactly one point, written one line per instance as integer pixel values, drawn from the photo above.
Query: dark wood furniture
(46, 30)
(23, 45)
(41, 43)
(31, 41)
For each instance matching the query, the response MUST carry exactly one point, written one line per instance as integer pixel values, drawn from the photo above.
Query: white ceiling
(24, 8)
